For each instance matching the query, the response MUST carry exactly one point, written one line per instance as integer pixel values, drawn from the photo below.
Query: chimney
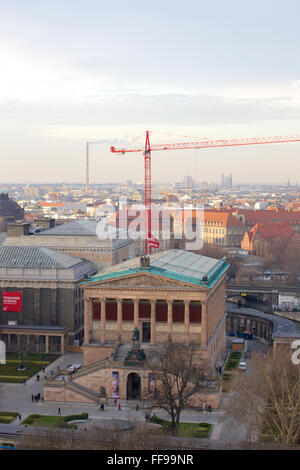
(17, 229)
(45, 223)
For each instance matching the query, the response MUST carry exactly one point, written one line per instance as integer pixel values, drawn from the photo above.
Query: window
(96, 311)
(178, 312)
(127, 311)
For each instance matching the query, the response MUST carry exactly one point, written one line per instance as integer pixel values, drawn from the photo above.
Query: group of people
(147, 417)
(35, 398)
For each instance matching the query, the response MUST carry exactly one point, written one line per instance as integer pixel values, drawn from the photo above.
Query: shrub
(83, 416)
(28, 420)
(156, 420)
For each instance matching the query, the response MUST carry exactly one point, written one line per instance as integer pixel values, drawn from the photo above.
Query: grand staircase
(84, 391)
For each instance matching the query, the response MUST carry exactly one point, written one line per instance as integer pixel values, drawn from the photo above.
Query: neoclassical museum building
(175, 295)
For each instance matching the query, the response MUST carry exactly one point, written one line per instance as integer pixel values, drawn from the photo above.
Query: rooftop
(35, 257)
(83, 227)
(271, 230)
(174, 264)
(3, 236)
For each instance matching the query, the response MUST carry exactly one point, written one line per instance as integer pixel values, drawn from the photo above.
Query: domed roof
(9, 208)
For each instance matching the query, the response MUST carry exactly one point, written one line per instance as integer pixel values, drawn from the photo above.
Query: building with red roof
(265, 238)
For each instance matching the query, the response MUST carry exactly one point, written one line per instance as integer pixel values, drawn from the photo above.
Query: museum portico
(175, 296)
(179, 295)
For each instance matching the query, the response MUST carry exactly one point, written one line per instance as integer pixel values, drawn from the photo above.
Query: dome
(9, 211)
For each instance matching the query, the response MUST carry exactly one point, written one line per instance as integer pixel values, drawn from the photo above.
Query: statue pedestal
(135, 356)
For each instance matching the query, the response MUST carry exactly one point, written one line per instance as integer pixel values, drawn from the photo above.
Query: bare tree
(267, 398)
(178, 378)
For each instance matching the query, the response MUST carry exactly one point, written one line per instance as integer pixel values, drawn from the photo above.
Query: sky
(72, 71)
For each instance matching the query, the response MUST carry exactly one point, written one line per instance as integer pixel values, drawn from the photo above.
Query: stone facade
(162, 307)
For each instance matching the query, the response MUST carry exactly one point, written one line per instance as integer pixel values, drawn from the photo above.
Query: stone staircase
(88, 369)
(122, 352)
(84, 391)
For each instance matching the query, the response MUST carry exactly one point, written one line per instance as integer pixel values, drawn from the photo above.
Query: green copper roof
(173, 264)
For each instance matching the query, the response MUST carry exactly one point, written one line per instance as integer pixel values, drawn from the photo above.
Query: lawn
(54, 421)
(233, 360)
(7, 416)
(33, 363)
(201, 430)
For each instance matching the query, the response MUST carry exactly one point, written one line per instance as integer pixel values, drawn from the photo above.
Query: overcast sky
(78, 70)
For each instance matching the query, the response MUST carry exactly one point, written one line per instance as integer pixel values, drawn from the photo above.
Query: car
(73, 367)
(242, 366)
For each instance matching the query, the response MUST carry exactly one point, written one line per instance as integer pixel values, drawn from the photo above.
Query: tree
(267, 398)
(178, 378)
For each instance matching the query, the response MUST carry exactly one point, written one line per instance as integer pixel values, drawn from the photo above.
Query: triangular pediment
(140, 280)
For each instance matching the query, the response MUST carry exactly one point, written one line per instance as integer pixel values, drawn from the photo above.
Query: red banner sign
(12, 301)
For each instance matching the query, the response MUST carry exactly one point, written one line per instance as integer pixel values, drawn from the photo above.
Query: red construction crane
(205, 143)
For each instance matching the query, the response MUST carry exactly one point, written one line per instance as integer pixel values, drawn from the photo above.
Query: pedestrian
(115, 402)
(35, 398)
(59, 413)
(137, 407)
(204, 407)
(146, 417)
(43, 369)
(20, 417)
(119, 405)
(37, 378)
(220, 370)
(32, 398)
(209, 408)
(102, 407)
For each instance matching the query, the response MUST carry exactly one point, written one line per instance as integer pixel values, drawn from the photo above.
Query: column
(18, 342)
(204, 325)
(103, 322)
(28, 343)
(87, 320)
(36, 307)
(47, 344)
(9, 342)
(136, 312)
(153, 321)
(119, 317)
(170, 316)
(54, 307)
(37, 343)
(62, 342)
(187, 322)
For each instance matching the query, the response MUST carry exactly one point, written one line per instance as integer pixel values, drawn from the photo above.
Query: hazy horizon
(76, 71)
